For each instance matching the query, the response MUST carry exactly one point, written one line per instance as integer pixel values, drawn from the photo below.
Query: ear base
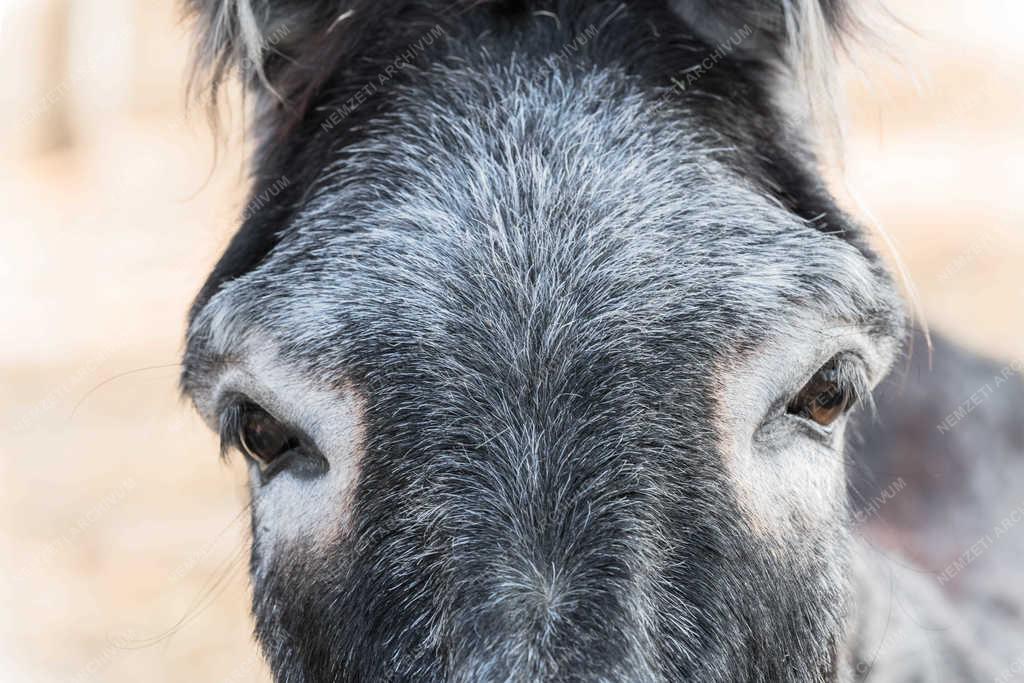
(278, 48)
(750, 29)
(796, 41)
(771, 29)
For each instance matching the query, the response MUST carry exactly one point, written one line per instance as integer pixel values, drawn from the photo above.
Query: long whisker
(116, 377)
(209, 594)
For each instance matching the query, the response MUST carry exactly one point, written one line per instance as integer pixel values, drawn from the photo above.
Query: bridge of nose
(548, 506)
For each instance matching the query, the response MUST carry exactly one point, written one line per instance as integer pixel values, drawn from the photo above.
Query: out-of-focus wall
(76, 68)
(936, 152)
(122, 540)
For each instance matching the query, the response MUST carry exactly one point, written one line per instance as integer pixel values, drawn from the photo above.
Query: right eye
(263, 438)
(259, 435)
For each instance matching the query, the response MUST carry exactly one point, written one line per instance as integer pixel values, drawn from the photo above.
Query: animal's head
(539, 338)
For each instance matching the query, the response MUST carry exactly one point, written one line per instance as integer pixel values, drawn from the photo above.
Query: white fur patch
(289, 509)
(786, 480)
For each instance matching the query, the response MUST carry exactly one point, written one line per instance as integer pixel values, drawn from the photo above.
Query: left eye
(824, 398)
(262, 437)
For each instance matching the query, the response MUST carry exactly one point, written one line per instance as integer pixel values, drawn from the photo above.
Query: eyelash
(853, 378)
(230, 427)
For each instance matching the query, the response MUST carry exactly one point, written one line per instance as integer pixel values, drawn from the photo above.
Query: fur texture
(559, 301)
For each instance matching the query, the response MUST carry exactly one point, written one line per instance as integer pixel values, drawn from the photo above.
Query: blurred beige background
(122, 540)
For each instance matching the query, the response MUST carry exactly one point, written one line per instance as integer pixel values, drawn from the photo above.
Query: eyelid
(820, 431)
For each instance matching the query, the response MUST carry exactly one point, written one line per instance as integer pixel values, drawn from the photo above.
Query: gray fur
(535, 313)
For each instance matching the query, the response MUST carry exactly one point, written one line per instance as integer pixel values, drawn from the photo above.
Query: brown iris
(824, 398)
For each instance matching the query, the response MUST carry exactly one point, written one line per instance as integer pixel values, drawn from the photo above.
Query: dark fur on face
(540, 275)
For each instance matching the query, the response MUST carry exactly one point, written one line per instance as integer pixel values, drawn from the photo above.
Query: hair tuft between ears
(229, 37)
(799, 40)
(281, 50)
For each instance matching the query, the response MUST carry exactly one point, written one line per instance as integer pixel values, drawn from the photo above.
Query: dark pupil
(826, 392)
(263, 437)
